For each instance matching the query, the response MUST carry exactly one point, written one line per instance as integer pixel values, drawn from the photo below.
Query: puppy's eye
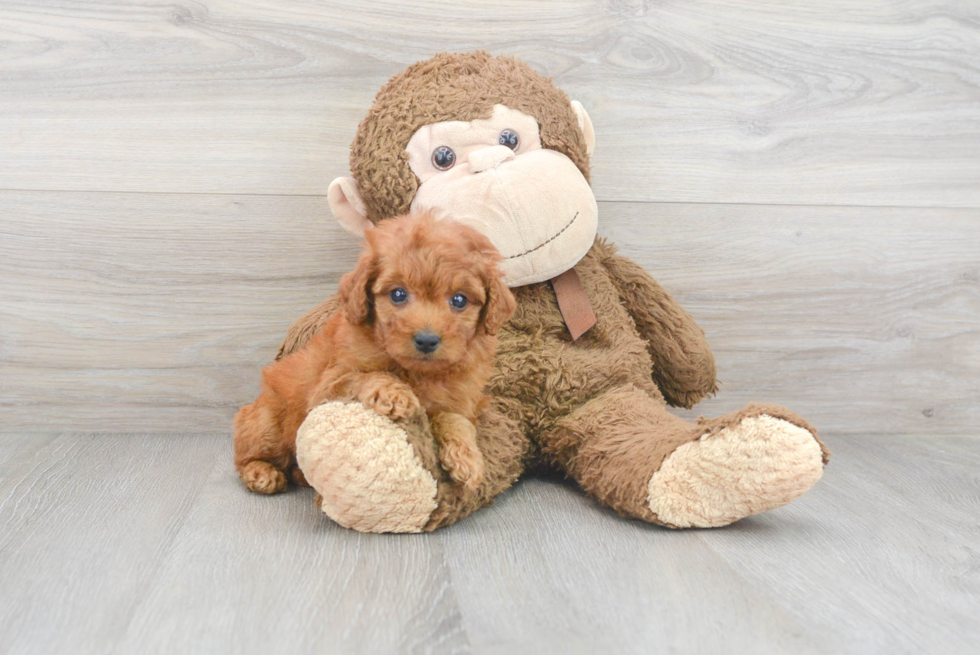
(509, 138)
(458, 301)
(398, 296)
(443, 158)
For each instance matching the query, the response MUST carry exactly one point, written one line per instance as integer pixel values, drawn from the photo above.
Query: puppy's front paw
(404, 403)
(390, 398)
(458, 451)
(464, 464)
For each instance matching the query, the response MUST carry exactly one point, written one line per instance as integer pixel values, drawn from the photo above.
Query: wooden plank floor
(148, 544)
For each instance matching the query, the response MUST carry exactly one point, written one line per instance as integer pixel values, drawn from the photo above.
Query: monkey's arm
(309, 324)
(683, 366)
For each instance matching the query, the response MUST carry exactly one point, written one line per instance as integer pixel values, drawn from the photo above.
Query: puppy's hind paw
(263, 478)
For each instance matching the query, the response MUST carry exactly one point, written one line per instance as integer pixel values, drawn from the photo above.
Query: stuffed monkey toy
(587, 365)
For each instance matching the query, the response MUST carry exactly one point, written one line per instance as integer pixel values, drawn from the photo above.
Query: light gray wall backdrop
(804, 177)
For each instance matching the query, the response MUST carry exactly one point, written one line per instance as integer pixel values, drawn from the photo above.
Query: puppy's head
(428, 289)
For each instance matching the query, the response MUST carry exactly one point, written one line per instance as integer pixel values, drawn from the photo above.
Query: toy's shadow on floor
(543, 484)
(772, 523)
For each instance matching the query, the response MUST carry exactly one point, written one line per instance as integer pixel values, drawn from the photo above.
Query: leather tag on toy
(573, 303)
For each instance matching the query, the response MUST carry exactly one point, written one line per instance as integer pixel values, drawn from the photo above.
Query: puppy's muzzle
(426, 341)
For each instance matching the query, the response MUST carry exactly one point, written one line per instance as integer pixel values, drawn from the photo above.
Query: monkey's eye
(398, 296)
(458, 301)
(443, 158)
(509, 138)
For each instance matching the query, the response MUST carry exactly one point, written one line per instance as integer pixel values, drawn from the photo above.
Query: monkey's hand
(683, 366)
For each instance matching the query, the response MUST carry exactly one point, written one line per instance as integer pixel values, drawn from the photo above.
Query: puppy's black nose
(426, 341)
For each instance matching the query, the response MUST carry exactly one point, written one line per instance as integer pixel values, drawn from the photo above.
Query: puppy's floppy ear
(500, 303)
(355, 287)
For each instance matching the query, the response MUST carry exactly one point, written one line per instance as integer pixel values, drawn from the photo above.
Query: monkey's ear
(585, 124)
(347, 206)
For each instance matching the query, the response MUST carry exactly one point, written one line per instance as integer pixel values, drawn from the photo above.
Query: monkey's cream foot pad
(365, 469)
(758, 464)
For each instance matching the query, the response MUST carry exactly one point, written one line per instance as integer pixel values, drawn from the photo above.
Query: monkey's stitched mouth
(544, 243)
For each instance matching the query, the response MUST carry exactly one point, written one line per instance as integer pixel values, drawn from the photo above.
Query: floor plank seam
(166, 554)
(323, 196)
(451, 580)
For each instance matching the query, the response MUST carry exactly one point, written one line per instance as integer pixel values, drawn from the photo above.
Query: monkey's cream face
(532, 203)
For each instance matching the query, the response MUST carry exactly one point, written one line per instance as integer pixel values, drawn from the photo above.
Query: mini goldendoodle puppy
(417, 329)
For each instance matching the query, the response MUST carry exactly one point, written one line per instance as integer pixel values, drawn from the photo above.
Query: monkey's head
(487, 140)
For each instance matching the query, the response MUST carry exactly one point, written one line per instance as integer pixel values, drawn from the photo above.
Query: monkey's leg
(375, 475)
(626, 450)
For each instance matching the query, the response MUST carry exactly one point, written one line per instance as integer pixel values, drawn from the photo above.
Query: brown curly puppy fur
(420, 314)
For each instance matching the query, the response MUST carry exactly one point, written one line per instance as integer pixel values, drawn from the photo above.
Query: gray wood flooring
(148, 544)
